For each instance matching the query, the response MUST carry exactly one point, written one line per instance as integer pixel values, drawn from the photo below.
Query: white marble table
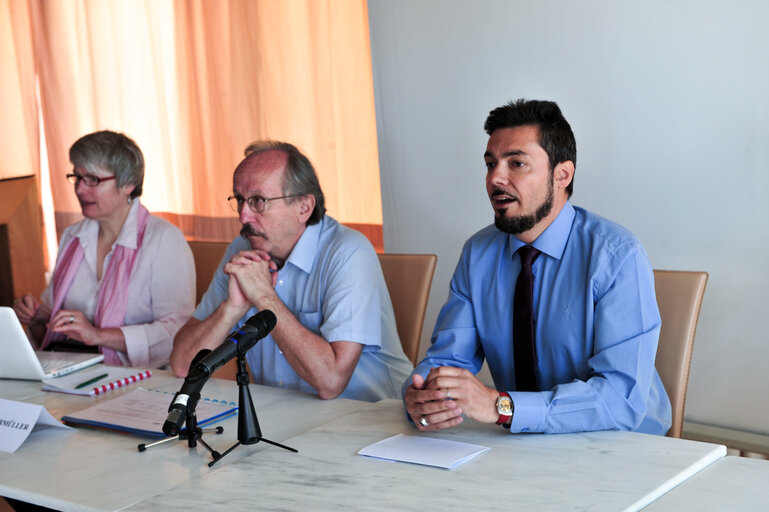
(590, 471)
(89, 469)
(732, 483)
(18, 389)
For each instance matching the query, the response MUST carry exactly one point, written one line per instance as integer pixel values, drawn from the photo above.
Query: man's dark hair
(555, 135)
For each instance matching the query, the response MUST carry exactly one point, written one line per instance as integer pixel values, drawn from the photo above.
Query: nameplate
(18, 420)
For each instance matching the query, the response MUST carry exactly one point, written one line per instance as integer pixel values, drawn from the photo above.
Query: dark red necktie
(523, 323)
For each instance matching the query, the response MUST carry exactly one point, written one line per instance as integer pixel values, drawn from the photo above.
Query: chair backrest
(408, 278)
(679, 297)
(207, 256)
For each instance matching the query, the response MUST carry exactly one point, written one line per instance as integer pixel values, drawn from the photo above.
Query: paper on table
(428, 451)
(142, 411)
(19, 419)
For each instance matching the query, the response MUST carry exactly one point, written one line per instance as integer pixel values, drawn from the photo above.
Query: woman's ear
(127, 189)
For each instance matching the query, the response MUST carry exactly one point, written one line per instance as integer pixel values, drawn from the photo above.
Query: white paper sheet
(19, 419)
(428, 451)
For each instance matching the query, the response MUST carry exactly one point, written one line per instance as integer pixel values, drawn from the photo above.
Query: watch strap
(506, 419)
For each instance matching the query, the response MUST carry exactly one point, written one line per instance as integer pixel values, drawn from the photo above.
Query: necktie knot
(528, 255)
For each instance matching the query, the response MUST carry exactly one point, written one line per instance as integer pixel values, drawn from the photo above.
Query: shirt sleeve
(621, 370)
(46, 298)
(351, 303)
(455, 338)
(172, 291)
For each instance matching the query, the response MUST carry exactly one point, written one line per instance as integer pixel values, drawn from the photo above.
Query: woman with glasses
(124, 281)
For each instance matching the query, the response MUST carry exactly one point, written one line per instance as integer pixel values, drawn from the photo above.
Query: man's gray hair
(300, 177)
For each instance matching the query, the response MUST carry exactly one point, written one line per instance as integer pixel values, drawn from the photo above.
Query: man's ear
(306, 206)
(563, 174)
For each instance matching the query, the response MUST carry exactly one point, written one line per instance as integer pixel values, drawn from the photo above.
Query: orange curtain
(19, 130)
(194, 81)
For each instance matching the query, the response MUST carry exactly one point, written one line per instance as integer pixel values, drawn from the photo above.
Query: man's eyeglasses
(89, 179)
(256, 203)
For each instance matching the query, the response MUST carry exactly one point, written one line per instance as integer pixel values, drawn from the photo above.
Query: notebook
(96, 380)
(20, 361)
(142, 411)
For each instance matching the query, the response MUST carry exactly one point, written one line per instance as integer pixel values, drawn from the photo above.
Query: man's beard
(522, 223)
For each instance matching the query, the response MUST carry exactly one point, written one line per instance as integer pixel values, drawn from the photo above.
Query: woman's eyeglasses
(89, 179)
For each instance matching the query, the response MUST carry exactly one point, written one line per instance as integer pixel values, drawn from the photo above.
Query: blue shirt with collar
(596, 325)
(333, 283)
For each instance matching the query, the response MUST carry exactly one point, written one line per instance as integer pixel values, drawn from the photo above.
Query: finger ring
(424, 422)
(71, 319)
(448, 394)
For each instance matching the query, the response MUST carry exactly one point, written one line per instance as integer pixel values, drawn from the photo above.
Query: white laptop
(18, 360)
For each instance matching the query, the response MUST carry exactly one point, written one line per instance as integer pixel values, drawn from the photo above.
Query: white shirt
(161, 292)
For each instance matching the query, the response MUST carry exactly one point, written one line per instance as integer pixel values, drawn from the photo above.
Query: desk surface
(731, 483)
(89, 469)
(587, 471)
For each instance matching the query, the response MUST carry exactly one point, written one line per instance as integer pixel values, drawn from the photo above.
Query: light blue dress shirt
(333, 283)
(596, 326)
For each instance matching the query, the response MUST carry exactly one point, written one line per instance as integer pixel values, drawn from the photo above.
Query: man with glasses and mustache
(335, 332)
(560, 302)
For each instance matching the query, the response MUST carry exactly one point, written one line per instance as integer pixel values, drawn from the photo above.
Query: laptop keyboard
(57, 360)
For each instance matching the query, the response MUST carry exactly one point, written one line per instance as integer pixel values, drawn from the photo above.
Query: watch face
(504, 405)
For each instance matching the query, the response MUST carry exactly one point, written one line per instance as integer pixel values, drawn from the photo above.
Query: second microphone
(239, 342)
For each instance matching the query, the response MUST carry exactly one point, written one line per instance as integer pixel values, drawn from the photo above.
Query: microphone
(239, 342)
(207, 362)
(177, 411)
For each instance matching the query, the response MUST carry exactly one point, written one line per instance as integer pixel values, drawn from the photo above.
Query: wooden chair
(679, 297)
(207, 256)
(408, 278)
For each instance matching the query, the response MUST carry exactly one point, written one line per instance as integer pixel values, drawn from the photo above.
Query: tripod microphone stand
(192, 432)
(249, 431)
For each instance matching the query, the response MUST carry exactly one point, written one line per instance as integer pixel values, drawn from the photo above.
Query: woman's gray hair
(299, 177)
(111, 151)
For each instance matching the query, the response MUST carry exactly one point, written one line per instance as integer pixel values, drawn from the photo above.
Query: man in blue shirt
(335, 332)
(595, 316)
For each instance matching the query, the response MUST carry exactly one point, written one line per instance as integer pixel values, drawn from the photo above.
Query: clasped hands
(439, 401)
(253, 275)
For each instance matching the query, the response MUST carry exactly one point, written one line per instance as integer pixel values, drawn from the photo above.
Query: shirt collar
(129, 232)
(303, 254)
(553, 240)
(88, 230)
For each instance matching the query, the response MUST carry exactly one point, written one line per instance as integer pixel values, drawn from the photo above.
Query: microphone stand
(192, 432)
(248, 424)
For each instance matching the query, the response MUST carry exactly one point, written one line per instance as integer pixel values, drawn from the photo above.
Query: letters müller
(14, 424)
